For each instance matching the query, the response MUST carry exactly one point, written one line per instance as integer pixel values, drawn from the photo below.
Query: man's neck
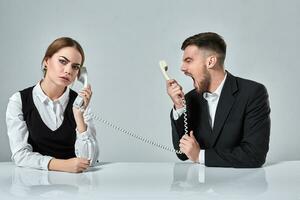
(217, 76)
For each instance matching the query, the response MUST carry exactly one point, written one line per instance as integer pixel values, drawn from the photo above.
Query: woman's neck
(52, 90)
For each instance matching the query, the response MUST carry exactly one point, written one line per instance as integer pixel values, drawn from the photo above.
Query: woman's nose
(68, 69)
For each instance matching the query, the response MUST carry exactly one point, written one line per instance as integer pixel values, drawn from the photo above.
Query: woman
(45, 131)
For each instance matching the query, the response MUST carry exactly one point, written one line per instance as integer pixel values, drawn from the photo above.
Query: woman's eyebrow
(65, 58)
(69, 60)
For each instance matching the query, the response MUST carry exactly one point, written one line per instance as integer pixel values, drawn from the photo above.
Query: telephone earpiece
(78, 103)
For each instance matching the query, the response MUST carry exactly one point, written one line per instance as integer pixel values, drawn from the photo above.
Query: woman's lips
(65, 78)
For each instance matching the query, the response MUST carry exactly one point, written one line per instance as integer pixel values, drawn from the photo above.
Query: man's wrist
(178, 106)
(198, 157)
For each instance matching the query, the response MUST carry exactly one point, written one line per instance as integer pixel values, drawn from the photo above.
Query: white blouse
(52, 114)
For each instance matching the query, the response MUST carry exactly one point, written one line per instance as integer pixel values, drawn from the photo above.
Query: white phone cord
(185, 124)
(98, 118)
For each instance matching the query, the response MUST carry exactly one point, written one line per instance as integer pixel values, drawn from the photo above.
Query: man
(227, 117)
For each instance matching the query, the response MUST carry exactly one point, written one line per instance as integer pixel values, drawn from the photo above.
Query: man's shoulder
(249, 86)
(244, 83)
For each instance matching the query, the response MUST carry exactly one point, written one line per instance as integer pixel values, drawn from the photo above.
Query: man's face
(194, 65)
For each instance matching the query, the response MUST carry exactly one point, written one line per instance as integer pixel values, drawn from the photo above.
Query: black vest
(59, 143)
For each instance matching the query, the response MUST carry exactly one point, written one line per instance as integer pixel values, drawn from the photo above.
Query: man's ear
(211, 61)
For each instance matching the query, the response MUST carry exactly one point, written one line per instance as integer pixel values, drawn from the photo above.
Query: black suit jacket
(241, 131)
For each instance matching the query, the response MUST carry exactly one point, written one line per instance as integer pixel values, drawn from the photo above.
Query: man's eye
(64, 62)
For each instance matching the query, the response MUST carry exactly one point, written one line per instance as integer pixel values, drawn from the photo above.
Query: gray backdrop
(123, 42)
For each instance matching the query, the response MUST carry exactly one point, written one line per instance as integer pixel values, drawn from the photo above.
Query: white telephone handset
(78, 103)
(164, 67)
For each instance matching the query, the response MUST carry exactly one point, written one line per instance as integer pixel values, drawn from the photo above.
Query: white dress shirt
(52, 114)
(212, 101)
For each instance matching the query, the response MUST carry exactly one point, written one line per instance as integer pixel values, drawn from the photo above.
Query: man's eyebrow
(187, 58)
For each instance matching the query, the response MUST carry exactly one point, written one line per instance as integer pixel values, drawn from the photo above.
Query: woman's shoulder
(16, 97)
(27, 90)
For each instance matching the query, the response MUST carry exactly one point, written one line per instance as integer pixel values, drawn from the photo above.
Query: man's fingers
(171, 82)
(182, 148)
(183, 142)
(177, 89)
(177, 93)
(186, 137)
(192, 134)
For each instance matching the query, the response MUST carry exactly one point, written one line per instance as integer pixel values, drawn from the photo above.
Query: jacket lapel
(225, 104)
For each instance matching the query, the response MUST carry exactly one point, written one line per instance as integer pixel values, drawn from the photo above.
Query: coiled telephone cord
(143, 139)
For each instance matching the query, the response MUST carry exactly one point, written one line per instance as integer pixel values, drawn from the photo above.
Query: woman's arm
(22, 153)
(17, 132)
(74, 165)
(86, 145)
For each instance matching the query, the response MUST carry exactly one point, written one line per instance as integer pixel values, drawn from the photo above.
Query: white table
(153, 181)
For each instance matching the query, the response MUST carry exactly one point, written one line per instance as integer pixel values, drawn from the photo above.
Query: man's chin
(198, 88)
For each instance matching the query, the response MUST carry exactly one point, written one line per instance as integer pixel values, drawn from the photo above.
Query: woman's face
(63, 67)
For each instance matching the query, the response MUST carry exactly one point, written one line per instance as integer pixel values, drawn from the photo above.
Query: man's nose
(183, 67)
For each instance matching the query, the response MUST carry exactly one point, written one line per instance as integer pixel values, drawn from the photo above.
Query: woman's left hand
(86, 94)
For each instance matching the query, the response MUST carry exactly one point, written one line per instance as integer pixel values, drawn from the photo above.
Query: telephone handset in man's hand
(164, 67)
(78, 103)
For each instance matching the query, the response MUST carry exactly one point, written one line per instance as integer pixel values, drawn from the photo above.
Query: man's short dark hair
(210, 41)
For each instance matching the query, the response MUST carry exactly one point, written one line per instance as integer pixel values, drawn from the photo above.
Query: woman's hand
(74, 165)
(86, 94)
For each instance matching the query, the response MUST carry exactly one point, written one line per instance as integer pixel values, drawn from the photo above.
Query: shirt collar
(217, 92)
(37, 91)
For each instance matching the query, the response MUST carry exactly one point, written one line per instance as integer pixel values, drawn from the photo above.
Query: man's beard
(202, 85)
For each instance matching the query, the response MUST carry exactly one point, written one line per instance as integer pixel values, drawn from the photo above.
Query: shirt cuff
(45, 162)
(202, 157)
(177, 113)
(83, 136)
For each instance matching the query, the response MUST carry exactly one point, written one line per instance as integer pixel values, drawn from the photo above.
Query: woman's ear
(45, 63)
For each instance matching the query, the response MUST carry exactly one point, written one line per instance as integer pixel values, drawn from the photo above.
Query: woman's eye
(62, 61)
(76, 67)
